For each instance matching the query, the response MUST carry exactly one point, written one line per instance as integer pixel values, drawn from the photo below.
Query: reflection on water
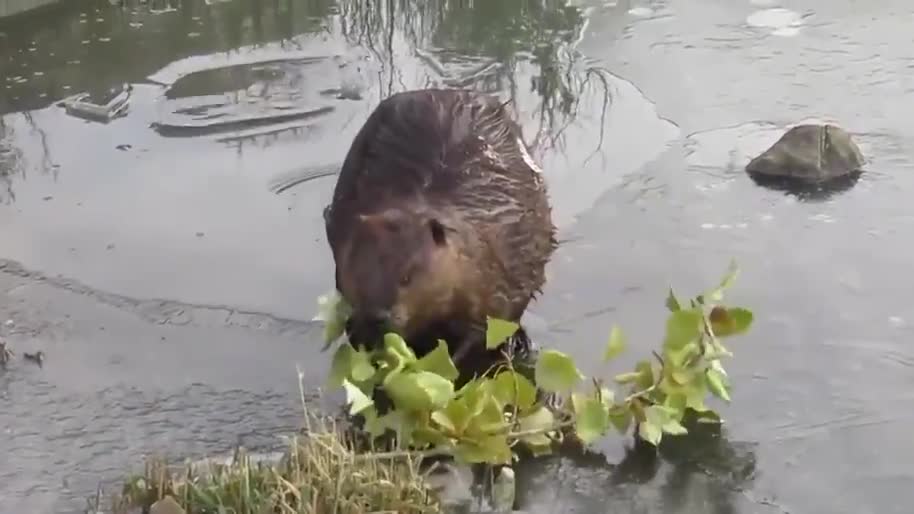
(806, 191)
(701, 473)
(242, 64)
(144, 203)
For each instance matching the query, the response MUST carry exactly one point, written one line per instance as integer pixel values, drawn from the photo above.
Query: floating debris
(37, 357)
(112, 104)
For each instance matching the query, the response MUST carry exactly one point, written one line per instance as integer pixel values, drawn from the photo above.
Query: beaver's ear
(438, 232)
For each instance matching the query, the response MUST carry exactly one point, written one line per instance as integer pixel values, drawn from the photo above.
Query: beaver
(439, 218)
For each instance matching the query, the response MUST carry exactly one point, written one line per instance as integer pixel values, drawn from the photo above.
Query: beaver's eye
(405, 279)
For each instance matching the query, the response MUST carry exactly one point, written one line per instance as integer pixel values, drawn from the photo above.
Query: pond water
(168, 260)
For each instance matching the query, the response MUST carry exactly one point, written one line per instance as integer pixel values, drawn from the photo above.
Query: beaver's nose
(378, 317)
(368, 328)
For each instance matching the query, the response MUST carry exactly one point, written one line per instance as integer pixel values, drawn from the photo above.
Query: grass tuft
(321, 471)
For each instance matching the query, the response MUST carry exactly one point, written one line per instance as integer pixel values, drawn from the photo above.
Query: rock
(166, 505)
(810, 153)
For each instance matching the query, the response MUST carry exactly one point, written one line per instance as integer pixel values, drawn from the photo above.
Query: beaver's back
(459, 153)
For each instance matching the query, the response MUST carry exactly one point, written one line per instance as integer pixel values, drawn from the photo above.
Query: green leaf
(490, 449)
(671, 302)
(498, 331)
(541, 420)
(425, 434)
(555, 372)
(489, 420)
(474, 393)
(607, 397)
(650, 432)
(676, 403)
(376, 425)
(718, 384)
(591, 418)
(334, 311)
(696, 392)
(673, 427)
(616, 344)
(340, 365)
(454, 418)
(717, 294)
(395, 345)
(361, 367)
(645, 374)
(419, 391)
(717, 366)
(439, 362)
(512, 388)
(397, 350)
(355, 398)
(708, 417)
(680, 357)
(625, 378)
(621, 418)
(659, 419)
(682, 327)
(727, 322)
(657, 415)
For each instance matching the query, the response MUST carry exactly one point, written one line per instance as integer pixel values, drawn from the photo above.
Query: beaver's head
(399, 270)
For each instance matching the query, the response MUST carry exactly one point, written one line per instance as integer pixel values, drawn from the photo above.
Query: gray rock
(810, 153)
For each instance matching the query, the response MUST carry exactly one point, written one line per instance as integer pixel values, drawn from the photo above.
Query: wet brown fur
(438, 219)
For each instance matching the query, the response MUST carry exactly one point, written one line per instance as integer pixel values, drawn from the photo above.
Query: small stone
(166, 505)
(810, 153)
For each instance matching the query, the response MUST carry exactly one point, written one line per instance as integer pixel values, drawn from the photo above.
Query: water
(168, 261)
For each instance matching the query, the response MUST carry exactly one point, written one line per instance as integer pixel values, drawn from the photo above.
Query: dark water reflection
(700, 473)
(805, 191)
(177, 250)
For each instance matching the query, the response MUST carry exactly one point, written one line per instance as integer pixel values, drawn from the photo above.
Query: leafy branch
(485, 419)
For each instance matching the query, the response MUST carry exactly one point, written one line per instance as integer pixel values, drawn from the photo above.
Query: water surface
(168, 260)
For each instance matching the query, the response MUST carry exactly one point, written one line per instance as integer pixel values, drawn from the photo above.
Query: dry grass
(320, 472)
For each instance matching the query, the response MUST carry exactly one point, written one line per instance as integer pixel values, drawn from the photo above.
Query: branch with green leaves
(484, 420)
